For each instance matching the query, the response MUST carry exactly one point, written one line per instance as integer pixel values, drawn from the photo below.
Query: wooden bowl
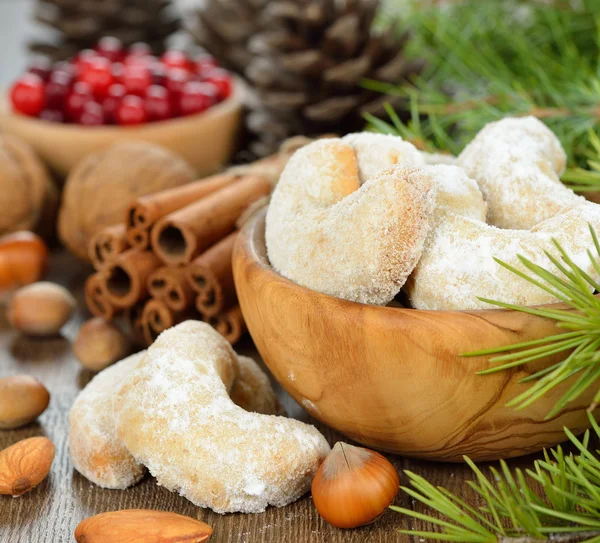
(393, 378)
(206, 140)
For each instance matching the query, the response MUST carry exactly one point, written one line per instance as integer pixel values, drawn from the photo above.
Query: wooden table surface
(51, 511)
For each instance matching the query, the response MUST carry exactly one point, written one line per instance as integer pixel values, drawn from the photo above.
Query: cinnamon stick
(96, 298)
(133, 319)
(211, 277)
(106, 245)
(138, 238)
(230, 324)
(127, 277)
(146, 210)
(156, 317)
(180, 236)
(170, 286)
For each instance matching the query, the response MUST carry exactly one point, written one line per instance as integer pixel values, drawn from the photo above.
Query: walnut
(100, 188)
(28, 198)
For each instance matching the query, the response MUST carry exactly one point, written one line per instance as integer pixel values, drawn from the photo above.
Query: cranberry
(98, 74)
(53, 116)
(139, 49)
(83, 59)
(159, 74)
(80, 95)
(57, 90)
(27, 95)
(176, 79)
(197, 97)
(110, 48)
(92, 114)
(136, 79)
(158, 103)
(221, 80)
(131, 111)
(40, 66)
(66, 69)
(111, 103)
(117, 71)
(176, 59)
(203, 63)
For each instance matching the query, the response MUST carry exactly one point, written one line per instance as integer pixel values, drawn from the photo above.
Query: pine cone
(79, 24)
(304, 60)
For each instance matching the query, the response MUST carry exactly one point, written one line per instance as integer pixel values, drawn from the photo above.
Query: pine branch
(488, 59)
(558, 500)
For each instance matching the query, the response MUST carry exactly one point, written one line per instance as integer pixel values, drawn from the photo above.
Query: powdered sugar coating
(327, 232)
(252, 389)
(458, 263)
(175, 417)
(457, 192)
(436, 159)
(96, 451)
(517, 163)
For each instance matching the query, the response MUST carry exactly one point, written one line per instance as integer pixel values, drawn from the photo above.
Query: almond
(142, 526)
(25, 465)
(40, 309)
(22, 400)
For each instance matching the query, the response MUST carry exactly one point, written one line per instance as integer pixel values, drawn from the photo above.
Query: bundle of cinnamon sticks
(170, 259)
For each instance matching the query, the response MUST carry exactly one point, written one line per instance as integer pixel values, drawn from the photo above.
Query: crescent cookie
(349, 217)
(517, 163)
(174, 416)
(458, 262)
(97, 452)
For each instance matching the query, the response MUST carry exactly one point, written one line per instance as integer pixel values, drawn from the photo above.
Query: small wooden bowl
(393, 378)
(206, 140)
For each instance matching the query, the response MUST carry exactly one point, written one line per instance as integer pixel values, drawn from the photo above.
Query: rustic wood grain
(394, 378)
(51, 511)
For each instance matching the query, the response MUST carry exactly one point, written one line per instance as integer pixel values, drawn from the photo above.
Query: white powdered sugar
(327, 231)
(96, 451)
(517, 163)
(206, 448)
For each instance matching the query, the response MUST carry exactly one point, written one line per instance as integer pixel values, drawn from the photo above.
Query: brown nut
(40, 309)
(25, 465)
(23, 259)
(142, 526)
(100, 344)
(22, 400)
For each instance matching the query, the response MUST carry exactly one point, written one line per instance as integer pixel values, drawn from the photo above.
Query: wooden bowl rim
(233, 102)
(252, 241)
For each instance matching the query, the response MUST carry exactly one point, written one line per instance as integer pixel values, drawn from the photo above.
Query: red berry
(176, 59)
(139, 49)
(158, 103)
(159, 74)
(27, 95)
(131, 111)
(136, 79)
(176, 79)
(110, 48)
(98, 75)
(197, 97)
(80, 95)
(117, 71)
(92, 114)
(57, 90)
(40, 66)
(111, 103)
(204, 62)
(52, 116)
(64, 69)
(83, 59)
(221, 79)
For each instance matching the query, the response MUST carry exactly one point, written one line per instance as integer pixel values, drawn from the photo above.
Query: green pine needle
(557, 500)
(579, 337)
(487, 59)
